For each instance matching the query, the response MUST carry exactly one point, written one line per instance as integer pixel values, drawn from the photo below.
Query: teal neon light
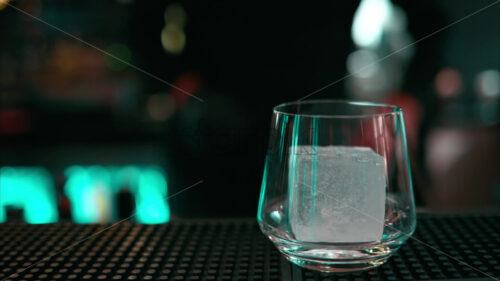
(92, 191)
(30, 189)
(88, 191)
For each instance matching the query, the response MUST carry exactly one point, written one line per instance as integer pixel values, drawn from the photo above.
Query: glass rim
(395, 109)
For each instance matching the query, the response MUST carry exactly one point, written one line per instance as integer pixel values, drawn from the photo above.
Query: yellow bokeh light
(173, 38)
(3, 4)
(160, 106)
(175, 13)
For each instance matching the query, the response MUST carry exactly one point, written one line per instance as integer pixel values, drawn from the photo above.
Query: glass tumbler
(336, 192)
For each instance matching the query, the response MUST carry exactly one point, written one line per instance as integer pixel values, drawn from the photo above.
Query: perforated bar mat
(231, 250)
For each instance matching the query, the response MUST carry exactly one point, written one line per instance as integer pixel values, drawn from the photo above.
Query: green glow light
(88, 191)
(30, 189)
(150, 197)
(91, 190)
(120, 51)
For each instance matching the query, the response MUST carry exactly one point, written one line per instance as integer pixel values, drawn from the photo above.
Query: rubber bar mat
(232, 250)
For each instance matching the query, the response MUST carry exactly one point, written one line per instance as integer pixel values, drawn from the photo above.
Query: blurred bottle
(462, 145)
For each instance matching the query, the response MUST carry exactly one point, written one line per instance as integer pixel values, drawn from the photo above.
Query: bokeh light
(488, 83)
(369, 21)
(176, 14)
(92, 191)
(448, 83)
(160, 106)
(173, 38)
(362, 63)
(120, 51)
(3, 4)
(31, 190)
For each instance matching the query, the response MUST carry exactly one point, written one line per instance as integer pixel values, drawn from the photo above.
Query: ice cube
(337, 194)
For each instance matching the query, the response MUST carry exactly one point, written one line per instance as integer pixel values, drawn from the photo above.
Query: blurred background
(89, 138)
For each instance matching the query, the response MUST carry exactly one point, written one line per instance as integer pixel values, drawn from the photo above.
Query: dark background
(61, 104)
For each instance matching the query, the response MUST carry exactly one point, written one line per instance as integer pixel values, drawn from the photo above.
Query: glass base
(336, 257)
(336, 265)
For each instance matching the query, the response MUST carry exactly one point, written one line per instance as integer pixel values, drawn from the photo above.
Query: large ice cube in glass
(337, 194)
